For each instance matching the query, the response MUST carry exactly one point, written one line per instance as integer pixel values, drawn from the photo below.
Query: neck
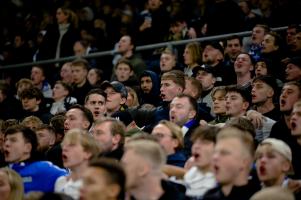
(240, 180)
(299, 140)
(59, 99)
(287, 119)
(242, 80)
(275, 182)
(267, 106)
(127, 54)
(39, 86)
(82, 83)
(24, 157)
(149, 189)
(76, 172)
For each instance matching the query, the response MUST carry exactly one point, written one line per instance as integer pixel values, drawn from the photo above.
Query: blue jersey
(39, 175)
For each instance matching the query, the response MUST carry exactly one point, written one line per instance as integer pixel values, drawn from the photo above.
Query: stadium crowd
(217, 120)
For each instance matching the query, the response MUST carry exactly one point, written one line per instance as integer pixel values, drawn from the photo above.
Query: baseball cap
(206, 68)
(215, 45)
(280, 147)
(117, 86)
(295, 60)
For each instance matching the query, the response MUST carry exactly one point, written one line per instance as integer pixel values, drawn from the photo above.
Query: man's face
(146, 84)
(103, 135)
(293, 72)
(59, 92)
(74, 118)
(219, 103)
(297, 42)
(95, 185)
(133, 164)
(30, 104)
(97, 105)
(79, 74)
(45, 139)
(167, 62)
(290, 35)
(202, 151)
(123, 72)
(227, 161)
(261, 68)
(295, 121)
(177, 27)
(268, 44)
(261, 92)
(154, 4)
(243, 64)
(181, 111)
(16, 149)
(211, 55)
(233, 48)
(165, 138)
(79, 49)
(271, 166)
(190, 89)
(257, 35)
(73, 154)
(37, 76)
(289, 95)
(66, 73)
(235, 104)
(207, 79)
(124, 44)
(169, 90)
(114, 99)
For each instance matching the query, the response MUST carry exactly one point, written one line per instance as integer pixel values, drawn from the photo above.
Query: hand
(146, 24)
(192, 33)
(256, 118)
(294, 185)
(203, 123)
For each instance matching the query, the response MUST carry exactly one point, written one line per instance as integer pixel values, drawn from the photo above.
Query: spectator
(110, 133)
(104, 178)
(95, 76)
(244, 67)
(170, 137)
(132, 100)
(62, 99)
(20, 147)
(168, 60)
(38, 77)
(275, 193)
(78, 149)
(191, 56)
(219, 108)
(293, 69)
(66, 73)
(147, 155)
(95, 101)
(124, 73)
(46, 138)
(12, 187)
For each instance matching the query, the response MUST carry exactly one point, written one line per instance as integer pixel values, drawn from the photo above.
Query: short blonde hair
(15, 183)
(78, 136)
(148, 150)
(176, 132)
(35, 122)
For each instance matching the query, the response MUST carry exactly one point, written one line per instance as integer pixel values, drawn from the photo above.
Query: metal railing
(138, 48)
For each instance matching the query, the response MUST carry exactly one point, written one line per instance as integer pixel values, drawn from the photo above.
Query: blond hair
(78, 136)
(15, 183)
(176, 132)
(148, 150)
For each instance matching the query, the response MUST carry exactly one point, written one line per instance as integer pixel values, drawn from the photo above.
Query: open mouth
(162, 96)
(64, 158)
(262, 170)
(293, 126)
(282, 102)
(196, 155)
(96, 113)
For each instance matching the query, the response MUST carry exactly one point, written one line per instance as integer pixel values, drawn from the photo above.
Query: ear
(131, 73)
(213, 80)
(38, 101)
(252, 67)
(191, 114)
(87, 155)
(28, 147)
(123, 101)
(245, 105)
(116, 139)
(86, 124)
(270, 93)
(113, 191)
(286, 166)
(175, 142)
(52, 140)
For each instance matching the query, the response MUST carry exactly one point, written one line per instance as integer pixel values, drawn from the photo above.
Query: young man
(149, 88)
(293, 69)
(20, 148)
(183, 112)
(104, 179)
(95, 101)
(232, 165)
(143, 161)
(78, 117)
(243, 67)
(46, 138)
(81, 85)
(39, 80)
(264, 94)
(110, 133)
(200, 177)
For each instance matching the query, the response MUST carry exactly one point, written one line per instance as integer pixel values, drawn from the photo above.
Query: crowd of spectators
(213, 120)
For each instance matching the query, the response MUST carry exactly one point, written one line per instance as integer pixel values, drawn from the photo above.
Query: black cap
(296, 61)
(117, 86)
(215, 45)
(206, 68)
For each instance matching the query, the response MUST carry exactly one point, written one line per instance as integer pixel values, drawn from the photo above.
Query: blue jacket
(39, 175)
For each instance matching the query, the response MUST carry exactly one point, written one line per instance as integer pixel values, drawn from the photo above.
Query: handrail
(138, 48)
